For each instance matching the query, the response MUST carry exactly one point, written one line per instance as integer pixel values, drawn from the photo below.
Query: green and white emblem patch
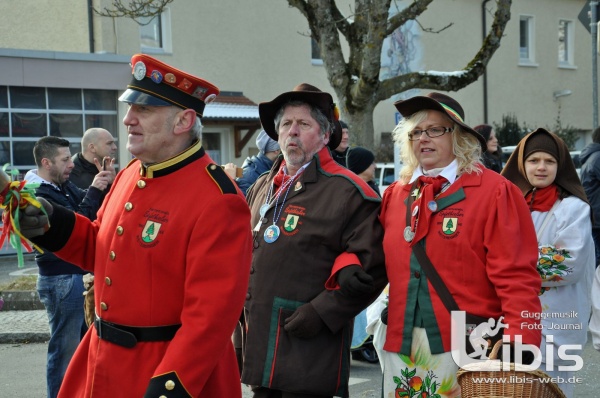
(291, 222)
(150, 231)
(449, 225)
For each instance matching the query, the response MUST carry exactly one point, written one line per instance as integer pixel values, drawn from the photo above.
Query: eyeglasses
(431, 132)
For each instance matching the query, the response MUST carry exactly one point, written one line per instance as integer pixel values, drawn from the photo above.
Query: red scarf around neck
(281, 178)
(542, 199)
(429, 188)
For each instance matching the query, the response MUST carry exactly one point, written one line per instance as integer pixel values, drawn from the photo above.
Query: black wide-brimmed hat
(155, 83)
(442, 103)
(303, 92)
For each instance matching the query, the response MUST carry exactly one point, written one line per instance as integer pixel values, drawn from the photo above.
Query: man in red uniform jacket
(170, 251)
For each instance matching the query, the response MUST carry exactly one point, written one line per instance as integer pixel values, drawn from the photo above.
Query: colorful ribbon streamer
(14, 198)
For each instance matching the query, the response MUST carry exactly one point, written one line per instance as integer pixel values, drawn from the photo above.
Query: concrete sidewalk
(24, 327)
(22, 318)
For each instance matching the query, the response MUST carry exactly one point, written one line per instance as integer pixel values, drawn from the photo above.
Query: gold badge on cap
(139, 70)
(170, 78)
(210, 98)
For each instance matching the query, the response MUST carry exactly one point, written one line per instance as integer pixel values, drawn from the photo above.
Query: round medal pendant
(271, 233)
(263, 210)
(432, 205)
(408, 234)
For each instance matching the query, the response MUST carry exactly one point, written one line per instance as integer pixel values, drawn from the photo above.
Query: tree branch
(135, 9)
(453, 81)
(407, 14)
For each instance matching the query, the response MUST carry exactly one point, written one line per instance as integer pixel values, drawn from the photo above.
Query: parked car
(384, 175)
(506, 152)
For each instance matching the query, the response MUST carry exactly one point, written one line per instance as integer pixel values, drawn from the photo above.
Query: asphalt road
(22, 374)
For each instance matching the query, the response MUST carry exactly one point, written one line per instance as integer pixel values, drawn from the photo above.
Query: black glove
(354, 281)
(32, 221)
(304, 323)
(384, 316)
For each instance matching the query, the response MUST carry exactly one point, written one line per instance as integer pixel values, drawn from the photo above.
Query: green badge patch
(291, 222)
(449, 225)
(150, 231)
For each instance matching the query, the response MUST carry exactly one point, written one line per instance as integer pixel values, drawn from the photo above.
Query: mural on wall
(401, 52)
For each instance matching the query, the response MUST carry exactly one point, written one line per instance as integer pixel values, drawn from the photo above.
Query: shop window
(29, 113)
(27, 97)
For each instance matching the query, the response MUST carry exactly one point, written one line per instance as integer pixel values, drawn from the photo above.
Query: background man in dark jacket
(590, 179)
(96, 144)
(60, 284)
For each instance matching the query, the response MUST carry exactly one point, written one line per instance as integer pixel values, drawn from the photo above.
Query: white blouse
(566, 264)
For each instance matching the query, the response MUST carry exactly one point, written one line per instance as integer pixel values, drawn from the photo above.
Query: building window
(565, 43)
(29, 113)
(315, 53)
(526, 40)
(155, 33)
(211, 142)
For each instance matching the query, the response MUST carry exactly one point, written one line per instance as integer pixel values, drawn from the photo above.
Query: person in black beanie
(492, 157)
(361, 162)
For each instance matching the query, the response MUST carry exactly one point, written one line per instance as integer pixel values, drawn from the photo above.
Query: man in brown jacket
(317, 260)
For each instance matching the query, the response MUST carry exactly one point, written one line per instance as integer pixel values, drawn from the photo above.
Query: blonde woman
(475, 229)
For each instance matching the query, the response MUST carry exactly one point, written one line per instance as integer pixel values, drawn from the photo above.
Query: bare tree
(357, 82)
(134, 9)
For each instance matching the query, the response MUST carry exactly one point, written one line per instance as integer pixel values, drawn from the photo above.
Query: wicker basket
(520, 381)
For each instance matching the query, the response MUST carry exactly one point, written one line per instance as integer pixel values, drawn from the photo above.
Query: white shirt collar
(300, 170)
(33, 176)
(448, 172)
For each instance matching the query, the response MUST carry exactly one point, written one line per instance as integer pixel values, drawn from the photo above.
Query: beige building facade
(255, 49)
